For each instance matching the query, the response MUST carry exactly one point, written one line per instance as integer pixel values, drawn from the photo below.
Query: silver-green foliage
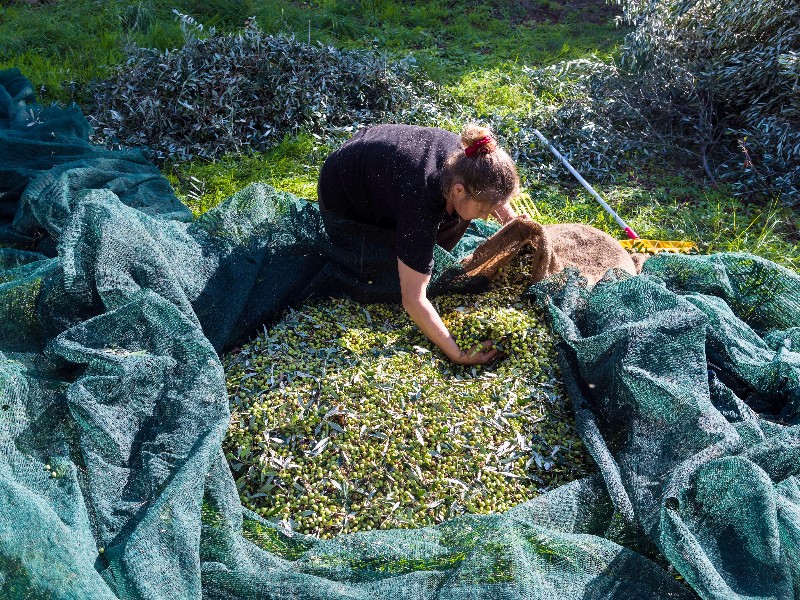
(713, 81)
(710, 83)
(744, 58)
(604, 120)
(223, 93)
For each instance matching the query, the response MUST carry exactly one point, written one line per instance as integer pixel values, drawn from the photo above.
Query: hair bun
(477, 140)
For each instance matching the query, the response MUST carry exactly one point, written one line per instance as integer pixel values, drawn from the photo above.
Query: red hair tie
(472, 149)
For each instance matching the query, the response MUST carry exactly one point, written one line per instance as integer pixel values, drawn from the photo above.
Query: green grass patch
(503, 91)
(62, 46)
(293, 166)
(450, 39)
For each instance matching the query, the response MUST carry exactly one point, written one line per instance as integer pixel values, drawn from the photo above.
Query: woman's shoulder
(403, 131)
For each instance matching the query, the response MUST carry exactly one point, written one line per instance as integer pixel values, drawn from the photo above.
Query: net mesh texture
(115, 305)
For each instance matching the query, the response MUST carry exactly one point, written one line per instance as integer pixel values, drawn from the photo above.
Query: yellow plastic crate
(656, 246)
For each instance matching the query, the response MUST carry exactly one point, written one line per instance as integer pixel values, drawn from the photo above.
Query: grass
(292, 166)
(62, 46)
(672, 208)
(474, 50)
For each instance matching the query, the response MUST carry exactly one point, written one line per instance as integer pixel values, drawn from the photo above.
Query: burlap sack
(554, 247)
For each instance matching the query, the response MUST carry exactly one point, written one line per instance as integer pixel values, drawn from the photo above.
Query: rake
(634, 242)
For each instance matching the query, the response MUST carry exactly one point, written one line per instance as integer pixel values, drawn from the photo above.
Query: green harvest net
(114, 305)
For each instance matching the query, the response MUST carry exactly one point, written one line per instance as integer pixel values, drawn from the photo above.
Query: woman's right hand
(413, 286)
(479, 354)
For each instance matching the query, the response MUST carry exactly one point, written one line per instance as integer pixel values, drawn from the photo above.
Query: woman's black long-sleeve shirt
(390, 176)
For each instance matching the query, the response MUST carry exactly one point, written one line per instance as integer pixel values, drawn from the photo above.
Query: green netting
(685, 387)
(113, 407)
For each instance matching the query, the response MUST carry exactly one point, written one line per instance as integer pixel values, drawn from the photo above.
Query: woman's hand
(479, 354)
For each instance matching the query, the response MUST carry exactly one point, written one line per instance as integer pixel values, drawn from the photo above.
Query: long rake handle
(628, 231)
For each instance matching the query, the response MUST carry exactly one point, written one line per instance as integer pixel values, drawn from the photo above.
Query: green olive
(345, 418)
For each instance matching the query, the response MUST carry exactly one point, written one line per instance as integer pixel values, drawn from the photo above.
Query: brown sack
(592, 251)
(554, 247)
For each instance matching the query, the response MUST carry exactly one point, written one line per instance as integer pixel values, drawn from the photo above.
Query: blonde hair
(488, 174)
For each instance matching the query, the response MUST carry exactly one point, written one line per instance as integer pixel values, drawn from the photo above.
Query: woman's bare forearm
(504, 213)
(413, 287)
(430, 323)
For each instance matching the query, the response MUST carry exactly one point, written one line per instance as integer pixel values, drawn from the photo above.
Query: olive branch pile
(243, 92)
(345, 418)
